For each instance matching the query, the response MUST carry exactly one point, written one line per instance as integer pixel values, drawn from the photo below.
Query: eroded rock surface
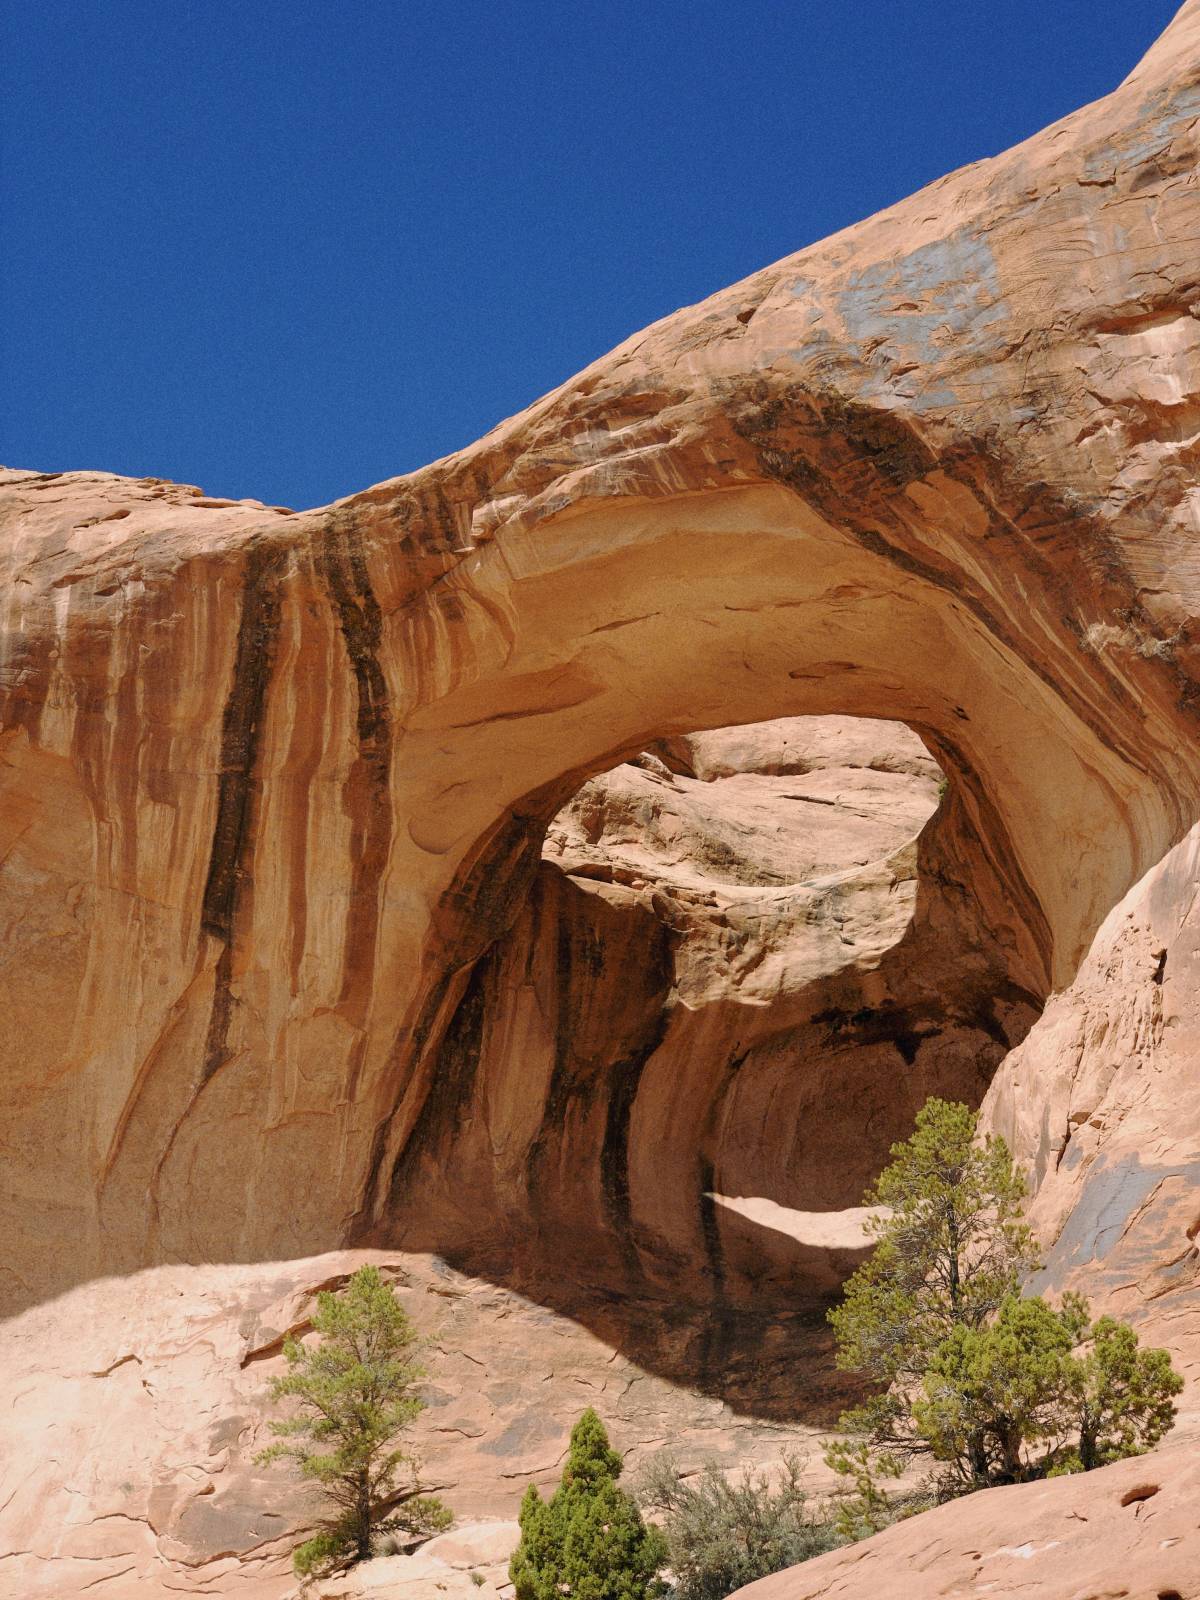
(1101, 1104)
(284, 964)
(1128, 1531)
(274, 784)
(135, 1407)
(715, 934)
(153, 1385)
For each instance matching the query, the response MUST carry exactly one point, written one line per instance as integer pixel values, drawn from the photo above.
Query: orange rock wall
(273, 783)
(274, 789)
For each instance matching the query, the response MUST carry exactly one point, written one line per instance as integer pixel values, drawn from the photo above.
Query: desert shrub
(723, 1532)
(992, 1400)
(1016, 1400)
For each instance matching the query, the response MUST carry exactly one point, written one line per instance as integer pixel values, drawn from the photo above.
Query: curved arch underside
(274, 784)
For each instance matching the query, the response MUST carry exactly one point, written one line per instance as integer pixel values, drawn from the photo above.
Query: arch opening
(547, 653)
(738, 965)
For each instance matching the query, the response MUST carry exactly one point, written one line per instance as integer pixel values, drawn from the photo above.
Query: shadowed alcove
(738, 966)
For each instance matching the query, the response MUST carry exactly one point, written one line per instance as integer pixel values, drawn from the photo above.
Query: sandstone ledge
(1125, 1532)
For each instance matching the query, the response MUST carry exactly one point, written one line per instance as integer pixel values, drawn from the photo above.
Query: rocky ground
(1126, 1532)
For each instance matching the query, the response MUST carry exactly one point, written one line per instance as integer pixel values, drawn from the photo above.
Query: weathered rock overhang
(274, 784)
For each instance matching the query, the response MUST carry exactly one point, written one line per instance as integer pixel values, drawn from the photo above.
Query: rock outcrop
(1128, 1532)
(295, 957)
(1101, 1104)
(274, 783)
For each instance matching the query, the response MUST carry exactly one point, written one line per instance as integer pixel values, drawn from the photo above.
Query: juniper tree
(1036, 1406)
(991, 1385)
(951, 1247)
(588, 1541)
(356, 1394)
(993, 1400)
(1121, 1399)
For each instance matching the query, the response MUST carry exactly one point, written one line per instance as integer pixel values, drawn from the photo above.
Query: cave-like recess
(737, 967)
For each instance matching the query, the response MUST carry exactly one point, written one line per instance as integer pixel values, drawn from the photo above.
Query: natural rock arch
(273, 782)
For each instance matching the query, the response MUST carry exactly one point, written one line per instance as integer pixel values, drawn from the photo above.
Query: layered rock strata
(274, 783)
(274, 787)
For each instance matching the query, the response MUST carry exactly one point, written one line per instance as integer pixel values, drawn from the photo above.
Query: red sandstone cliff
(287, 969)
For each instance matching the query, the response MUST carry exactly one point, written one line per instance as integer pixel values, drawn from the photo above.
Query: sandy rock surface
(715, 930)
(1126, 1532)
(136, 1405)
(154, 1384)
(472, 1560)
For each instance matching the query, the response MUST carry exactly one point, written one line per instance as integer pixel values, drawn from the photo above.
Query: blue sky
(287, 249)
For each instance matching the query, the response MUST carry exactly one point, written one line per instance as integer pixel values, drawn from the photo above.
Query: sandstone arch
(273, 782)
(654, 1058)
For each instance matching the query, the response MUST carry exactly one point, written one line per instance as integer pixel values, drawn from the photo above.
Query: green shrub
(724, 1532)
(992, 1403)
(861, 1507)
(1121, 1399)
(588, 1541)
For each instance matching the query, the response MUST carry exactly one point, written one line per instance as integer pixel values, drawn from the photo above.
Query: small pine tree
(988, 1383)
(951, 1249)
(1121, 1400)
(355, 1393)
(588, 1541)
(952, 1246)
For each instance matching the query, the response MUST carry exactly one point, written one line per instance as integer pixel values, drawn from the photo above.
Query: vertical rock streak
(367, 796)
(241, 732)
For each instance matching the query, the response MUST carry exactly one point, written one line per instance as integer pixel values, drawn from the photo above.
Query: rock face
(793, 846)
(274, 784)
(1101, 1104)
(134, 1408)
(1127, 1531)
(301, 951)
(718, 930)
